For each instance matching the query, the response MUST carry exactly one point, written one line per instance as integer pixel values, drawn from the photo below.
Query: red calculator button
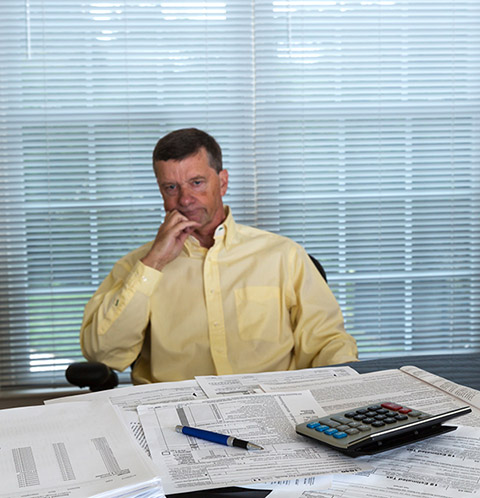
(392, 406)
(404, 410)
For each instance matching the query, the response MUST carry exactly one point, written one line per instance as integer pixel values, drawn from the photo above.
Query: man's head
(180, 144)
(188, 167)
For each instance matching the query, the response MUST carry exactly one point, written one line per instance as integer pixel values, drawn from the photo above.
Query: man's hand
(169, 240)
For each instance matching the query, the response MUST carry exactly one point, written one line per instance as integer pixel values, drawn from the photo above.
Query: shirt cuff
(143, 278)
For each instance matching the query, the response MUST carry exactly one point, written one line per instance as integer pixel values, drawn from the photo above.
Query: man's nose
(185, 197)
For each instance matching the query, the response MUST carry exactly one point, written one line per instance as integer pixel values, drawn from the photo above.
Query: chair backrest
(319, 267)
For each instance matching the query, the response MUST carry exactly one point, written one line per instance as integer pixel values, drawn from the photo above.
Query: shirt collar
(224, 233)
(226, 230)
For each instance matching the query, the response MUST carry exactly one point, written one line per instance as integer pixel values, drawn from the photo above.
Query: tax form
(126, 399)
(410, 386)
(447, 466)
(238, 384)
(189, 464)
(71, 451)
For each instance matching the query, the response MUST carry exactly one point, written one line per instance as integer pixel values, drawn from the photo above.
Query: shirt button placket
(215, 316)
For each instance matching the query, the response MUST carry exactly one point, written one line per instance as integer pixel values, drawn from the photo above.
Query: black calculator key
(364, 428)
(354, 424)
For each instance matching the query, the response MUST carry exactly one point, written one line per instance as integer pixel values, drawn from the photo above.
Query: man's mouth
(190, 214)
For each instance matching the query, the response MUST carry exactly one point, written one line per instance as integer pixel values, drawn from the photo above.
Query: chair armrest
(97, 376)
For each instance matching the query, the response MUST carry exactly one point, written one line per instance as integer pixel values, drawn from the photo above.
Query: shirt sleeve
(317, 321)
(117, 316)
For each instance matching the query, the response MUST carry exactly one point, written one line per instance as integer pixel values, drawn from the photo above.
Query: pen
(216, 438)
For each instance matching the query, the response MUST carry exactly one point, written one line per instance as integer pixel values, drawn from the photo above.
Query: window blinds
(351, 127)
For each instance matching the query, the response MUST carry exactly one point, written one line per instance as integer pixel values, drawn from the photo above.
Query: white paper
(386, 385)
(58, 450)
(467, 394)
(300, 493)
(240, 384)
(296, 485)
(126, 399)
(446, 466)
(188, 464)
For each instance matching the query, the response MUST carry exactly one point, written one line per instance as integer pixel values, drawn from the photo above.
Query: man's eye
(169, 188)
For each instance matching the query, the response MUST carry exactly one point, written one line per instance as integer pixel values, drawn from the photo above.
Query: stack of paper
(72, 451)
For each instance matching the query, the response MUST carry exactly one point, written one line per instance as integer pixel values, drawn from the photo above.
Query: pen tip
(251, 446)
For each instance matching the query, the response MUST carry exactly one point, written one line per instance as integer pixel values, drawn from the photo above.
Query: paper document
(55, 450)
(188, 464)
(446, 466)
(126, 399)
(467, 394)
(296, 485)
(238, 384)
(386, 385)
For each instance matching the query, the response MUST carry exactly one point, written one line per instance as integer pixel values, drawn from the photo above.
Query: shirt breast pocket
(258, 313)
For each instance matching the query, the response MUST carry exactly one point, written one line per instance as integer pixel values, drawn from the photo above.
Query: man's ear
(223, 175)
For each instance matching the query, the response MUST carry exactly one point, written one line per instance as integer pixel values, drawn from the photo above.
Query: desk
(460, 368)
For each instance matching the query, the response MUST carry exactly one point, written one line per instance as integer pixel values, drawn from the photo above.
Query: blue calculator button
(340, 435)
(322, 428)
(312, 425)
(330, 432)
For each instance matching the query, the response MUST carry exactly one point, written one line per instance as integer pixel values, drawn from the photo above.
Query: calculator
(377, 427)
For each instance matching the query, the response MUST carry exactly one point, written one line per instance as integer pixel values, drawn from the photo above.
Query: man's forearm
(116, 317)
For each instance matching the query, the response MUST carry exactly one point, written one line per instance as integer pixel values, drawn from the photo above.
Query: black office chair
(99, 377)
(92, 374)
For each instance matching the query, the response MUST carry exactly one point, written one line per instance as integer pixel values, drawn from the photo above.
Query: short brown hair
(179, 144)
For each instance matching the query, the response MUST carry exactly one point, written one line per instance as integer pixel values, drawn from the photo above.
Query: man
(210, 296)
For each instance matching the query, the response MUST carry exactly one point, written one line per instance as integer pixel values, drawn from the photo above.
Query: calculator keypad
(364, 420)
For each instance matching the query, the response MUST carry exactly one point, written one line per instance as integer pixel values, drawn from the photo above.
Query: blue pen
(214, 437)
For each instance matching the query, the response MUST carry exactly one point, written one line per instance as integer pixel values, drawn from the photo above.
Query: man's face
(193, 188)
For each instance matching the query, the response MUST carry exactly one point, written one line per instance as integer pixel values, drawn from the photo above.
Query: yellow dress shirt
(253, 302)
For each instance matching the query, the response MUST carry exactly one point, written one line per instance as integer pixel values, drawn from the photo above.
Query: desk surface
(460, 368)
